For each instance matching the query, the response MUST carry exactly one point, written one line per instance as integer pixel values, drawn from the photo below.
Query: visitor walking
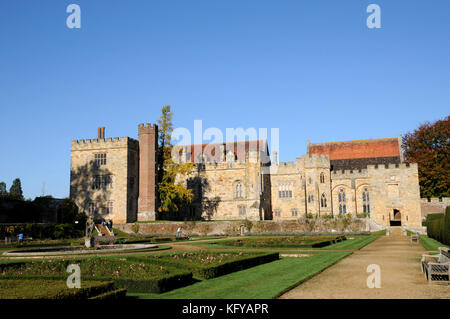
(178, 232)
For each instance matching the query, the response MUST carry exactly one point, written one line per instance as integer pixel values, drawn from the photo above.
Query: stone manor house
(115, 178)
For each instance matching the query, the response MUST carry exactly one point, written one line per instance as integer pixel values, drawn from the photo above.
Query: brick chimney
(148, 145)
(101, 132)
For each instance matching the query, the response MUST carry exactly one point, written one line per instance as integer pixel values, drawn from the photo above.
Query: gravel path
(401, 275)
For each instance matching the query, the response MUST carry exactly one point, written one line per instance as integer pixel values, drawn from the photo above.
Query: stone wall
(121, 167)
(434, 205)
(234, 227)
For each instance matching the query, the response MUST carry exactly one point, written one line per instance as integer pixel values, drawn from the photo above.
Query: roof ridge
(371, 140)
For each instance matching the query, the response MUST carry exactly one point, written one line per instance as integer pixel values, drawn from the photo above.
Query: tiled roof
(239, 148)
(371, 148)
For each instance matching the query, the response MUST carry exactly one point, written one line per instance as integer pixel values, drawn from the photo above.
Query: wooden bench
(437, 267)
(415, 238)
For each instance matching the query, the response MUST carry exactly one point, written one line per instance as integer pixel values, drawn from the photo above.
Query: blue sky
(310, 68)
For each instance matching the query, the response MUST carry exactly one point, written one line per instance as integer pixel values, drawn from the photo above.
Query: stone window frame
(323, 201)
(342, 201)
(242, 210)
(109, 207)
(91, 208)
(322, 178)
(285, 190)
(100, 159)
(102, 181)
(238, 190)
(277, 212)
(294, 212)
(366, 200)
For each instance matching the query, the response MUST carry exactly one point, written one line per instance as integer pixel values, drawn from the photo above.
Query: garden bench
(439, 269)
(415, 238)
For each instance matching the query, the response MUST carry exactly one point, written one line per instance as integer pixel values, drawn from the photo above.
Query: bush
(438, 226)
(41, 231)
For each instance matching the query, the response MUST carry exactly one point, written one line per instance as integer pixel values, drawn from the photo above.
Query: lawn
(353, 242)
(430, 244)
(264, 281)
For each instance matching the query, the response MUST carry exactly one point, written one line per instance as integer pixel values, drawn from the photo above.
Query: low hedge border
(83, 293)
(157, 285)
(237, 265)
(114, 294)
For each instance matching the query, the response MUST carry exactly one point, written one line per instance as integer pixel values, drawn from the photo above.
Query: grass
(355, 243)
(430, 244)
(264, 281)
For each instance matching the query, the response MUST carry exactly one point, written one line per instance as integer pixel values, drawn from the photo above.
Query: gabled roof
(371, 148)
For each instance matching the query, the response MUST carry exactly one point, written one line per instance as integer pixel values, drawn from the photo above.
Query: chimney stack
(275, 158)
(101, 133)
(148, 144)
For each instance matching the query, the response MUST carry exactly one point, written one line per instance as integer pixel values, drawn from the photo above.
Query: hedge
(438, 226)
(233, 266)
(114, 294)
(41, 231)
(83, 293)
(159, 285)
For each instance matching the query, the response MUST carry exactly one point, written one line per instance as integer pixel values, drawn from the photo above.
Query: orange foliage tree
(428, 146)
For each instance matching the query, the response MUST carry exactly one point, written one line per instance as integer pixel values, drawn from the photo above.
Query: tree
(428, 146)
(15, 192)
(3, 191)
(172, 196)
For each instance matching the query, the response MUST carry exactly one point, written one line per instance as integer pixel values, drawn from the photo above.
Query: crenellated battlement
(109, 142)
(147, 128)
(393, 166)
(339, 174)
(317, 161)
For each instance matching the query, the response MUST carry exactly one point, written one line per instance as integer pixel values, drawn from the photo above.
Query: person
(178, 232)
(20, 237)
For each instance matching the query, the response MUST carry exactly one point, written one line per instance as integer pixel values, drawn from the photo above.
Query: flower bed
(284, 241)
(51, 289)
(208, 265)
(136, 277)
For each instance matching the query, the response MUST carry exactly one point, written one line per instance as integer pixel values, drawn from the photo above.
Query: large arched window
(238, 193)
(342, 205)
(323, 201)
(365, 199)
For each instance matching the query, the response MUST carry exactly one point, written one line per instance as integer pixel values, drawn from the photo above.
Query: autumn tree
(428, 146)
(172, 195)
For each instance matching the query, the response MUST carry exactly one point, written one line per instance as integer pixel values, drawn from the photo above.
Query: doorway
(397, 220)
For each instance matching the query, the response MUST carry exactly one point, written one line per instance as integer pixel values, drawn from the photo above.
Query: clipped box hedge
(158, 285)
(114, 294)
(233, 266)
(284, 241)
(438, 226)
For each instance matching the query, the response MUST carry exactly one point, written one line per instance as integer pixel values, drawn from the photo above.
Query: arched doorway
(397, 218)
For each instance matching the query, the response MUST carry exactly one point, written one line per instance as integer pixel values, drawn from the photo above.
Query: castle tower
(148, 144)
